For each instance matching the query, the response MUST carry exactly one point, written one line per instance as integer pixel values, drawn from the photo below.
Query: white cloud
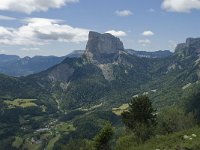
(124, 13)
(30, 49)
(144, 42)
(5, 32)
(39, 31)
(180, 5)
(6, 18)
(29, 6)
(41, 20)
(117, 33)
(148, 33)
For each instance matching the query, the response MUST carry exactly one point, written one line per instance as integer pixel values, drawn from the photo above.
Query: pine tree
(140, 118)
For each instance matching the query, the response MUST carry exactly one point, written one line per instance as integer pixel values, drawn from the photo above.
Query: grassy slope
(173, 141)
(20, 103)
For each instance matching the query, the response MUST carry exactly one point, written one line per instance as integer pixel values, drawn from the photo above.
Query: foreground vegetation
(183, 140)
(173, 128)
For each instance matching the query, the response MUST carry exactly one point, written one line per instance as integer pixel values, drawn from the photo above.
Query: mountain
(156, 54)
(101, 70)
(190, 47)
(27, 65)
(7, 58)
(103, 48)
(73, 98)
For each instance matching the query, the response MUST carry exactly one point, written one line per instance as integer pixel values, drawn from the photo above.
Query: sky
(57, 27)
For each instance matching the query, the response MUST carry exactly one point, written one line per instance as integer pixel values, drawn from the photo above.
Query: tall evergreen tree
(140, 117)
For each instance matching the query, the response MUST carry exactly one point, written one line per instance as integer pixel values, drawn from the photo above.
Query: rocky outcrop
(190, 47)
(103, 48)
(193, 42)
(60, 73)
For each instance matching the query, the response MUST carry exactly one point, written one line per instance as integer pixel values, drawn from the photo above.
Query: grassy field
(23, 103)
(118, 111)
(91, 108)
(64, 127)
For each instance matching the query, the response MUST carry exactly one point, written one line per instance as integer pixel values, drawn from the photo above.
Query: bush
(173, 119)
(102, 139)
(125, 142)
(77, 144)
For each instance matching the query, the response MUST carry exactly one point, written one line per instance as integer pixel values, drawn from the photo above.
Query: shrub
(102, 139)
(174, 119)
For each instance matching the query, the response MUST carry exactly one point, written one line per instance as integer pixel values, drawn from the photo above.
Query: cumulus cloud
(180, 5)
(117, 33)
(5, 35)
(29, 6)
(39, 31)
(144, 42)
(148, 33)
(123, 13)
(5, 32)
(6, 18)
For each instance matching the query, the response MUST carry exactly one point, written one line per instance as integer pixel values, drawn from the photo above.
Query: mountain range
(27, 65)
(83, 90)
(31, 65)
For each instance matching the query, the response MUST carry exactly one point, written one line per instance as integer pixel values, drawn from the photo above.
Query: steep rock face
(190, 47)
(61, 73)
(103, 48)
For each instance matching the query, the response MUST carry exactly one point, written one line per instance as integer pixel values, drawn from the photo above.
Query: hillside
(73, 98)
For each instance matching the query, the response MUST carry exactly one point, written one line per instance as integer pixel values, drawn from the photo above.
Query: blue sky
(57, 27)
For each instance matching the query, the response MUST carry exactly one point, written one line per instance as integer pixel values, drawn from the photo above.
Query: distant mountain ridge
(8, 58)
(146, 54)
(13, 65)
